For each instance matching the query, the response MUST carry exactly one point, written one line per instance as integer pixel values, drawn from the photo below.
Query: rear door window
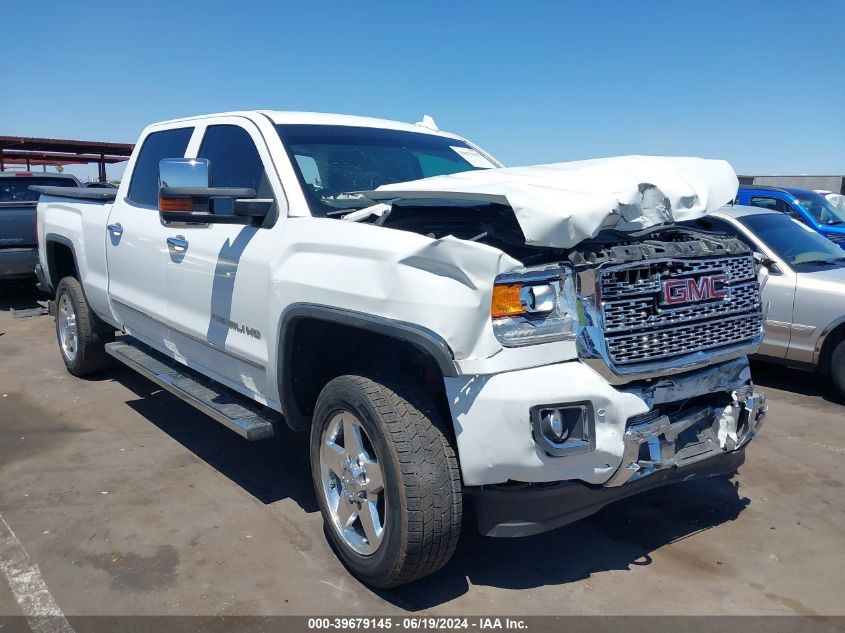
(143, 189)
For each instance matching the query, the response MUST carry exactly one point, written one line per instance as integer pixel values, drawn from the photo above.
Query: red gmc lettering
(684, 290)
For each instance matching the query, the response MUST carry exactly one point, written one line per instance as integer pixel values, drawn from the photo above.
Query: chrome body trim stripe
(193, 338)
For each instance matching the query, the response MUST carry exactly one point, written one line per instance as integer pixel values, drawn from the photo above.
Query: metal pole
(102, 168)
(2, 164)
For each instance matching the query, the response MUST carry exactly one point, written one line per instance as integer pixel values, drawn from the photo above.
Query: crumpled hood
(562, 204)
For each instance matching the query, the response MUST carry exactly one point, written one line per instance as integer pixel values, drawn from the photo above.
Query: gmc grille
(639, 327)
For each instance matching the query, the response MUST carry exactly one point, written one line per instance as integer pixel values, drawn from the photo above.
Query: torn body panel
(442, 285)
(562, 204)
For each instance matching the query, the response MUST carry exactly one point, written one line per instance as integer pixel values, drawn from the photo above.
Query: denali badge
(237, 327)
(677, 291)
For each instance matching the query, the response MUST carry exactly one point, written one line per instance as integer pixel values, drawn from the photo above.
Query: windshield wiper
(347, 201)
(379, 210)
(822, 262)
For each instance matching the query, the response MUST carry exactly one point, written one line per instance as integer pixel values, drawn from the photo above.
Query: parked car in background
(18, 246)
(836, 199)
(804, 293)
(809, 207)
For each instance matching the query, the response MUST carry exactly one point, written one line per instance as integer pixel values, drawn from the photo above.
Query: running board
(232, 410)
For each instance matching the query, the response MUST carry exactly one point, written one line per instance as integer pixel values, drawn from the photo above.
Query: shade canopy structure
(29, 151)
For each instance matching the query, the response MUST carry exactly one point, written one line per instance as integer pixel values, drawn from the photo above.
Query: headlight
(534, 307)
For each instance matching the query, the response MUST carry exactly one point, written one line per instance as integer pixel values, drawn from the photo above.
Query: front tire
(837, 369)
(82, 345)
(386, 478)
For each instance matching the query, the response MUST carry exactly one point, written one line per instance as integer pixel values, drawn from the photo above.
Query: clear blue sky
(757, 83)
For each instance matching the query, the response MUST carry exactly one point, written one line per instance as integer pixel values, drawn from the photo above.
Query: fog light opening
(553, 425)
(561, 429)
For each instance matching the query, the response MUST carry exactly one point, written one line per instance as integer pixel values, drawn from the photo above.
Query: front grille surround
(664, 343)
(620, 314)
(628, 280)
(631, 332)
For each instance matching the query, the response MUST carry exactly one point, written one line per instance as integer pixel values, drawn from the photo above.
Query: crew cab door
(218, 275)
(136, 247)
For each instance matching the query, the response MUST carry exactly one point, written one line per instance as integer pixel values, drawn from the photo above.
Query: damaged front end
(696, 426)
(622, 336)
(682, 429)
(661, 323)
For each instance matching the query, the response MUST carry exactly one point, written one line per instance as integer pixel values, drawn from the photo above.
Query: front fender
(440, 286)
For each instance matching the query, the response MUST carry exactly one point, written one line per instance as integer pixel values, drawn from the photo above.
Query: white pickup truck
(540, 340)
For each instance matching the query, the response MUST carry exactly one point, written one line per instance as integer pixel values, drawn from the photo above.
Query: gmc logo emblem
(677, 291)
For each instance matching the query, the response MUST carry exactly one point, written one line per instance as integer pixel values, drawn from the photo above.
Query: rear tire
(837, 369)
(81, 344)
(417, 503)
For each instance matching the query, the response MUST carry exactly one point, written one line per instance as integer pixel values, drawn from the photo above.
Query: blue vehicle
(806, 206)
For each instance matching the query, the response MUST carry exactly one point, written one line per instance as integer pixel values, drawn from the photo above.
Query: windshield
(822, 209)
(798, 245)
(17, 189)
(334, 161)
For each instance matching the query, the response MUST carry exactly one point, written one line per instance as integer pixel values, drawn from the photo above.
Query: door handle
(116, 228)
(178, 242)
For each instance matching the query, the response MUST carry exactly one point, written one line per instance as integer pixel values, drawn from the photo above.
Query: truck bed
(77, 193)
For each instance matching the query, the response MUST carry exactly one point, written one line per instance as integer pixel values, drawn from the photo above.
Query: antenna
(428, 122)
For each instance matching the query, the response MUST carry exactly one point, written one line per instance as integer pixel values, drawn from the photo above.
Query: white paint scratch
(41, 611)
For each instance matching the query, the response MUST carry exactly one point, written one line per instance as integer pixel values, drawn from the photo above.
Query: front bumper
(709, 431)
(514, 511)
(496, 444)
(17, 262)
(690, 426)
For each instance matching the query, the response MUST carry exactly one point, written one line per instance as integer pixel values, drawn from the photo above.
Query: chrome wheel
(66, 320)
(353, 483)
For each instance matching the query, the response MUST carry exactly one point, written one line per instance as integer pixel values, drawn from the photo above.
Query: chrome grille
(647, 278)
(645, 311)
(686, 339)
(639, 328)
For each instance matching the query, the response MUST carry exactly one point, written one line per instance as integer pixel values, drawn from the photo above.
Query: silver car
(805, 290)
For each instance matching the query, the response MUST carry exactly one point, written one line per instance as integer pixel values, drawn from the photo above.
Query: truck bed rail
(77, 193)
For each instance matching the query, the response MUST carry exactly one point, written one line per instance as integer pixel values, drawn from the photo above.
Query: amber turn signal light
(506, 300)
(175, 204)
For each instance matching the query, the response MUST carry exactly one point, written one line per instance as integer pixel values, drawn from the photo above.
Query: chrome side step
(232, 410)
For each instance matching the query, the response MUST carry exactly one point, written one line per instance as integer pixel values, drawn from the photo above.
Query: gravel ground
(131, 502)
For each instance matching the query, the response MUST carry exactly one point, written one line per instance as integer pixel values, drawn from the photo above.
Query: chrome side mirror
(184, 195)
(184, 172)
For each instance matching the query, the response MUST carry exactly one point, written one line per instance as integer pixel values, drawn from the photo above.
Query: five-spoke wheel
(386, 478)
(81, 335)
(66, 324)
(353, 484)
